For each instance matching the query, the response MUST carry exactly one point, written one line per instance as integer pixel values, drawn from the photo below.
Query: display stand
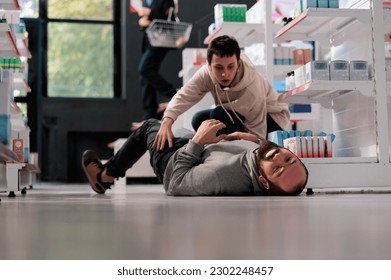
(17, 173)
(357, 110)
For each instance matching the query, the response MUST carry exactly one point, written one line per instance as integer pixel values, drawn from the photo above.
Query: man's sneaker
(93, 169)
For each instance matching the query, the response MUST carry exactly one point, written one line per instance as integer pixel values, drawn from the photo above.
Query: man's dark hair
(223, 46)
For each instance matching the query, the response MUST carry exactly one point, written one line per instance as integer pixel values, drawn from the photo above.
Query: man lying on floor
(207, 164)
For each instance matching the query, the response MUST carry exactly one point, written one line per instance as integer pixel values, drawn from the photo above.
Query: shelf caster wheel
(24, 191)
(309, 191)
(31, 187)
(11, 194)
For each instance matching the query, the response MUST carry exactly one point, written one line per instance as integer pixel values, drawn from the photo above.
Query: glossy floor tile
(64, 221)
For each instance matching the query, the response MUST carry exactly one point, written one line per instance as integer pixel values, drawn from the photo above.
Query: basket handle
(171, 11)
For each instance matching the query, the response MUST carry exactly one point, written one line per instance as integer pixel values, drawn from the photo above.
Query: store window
(76, 9)
(80, 54)
(79, 46)
(80, 60)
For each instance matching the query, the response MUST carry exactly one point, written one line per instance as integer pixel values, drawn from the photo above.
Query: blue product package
(26, 155)
(5, 127)
(285, 134)
(308, 133)
(300, 108)
(322, 133)
(276, 137)
(323, 3)
(309, 4)
(333, 3)
(291, 133)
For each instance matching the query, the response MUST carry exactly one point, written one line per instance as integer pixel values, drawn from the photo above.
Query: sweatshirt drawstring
(221, 103)
(232, 108)
(230, 104)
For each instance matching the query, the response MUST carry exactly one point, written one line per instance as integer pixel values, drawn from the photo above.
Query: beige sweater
(250, 95)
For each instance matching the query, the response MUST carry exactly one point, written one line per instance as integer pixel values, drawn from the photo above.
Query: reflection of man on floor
(207, 164)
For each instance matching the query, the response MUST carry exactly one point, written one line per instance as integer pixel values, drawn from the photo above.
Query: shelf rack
(318, 23)
(8, 47)
(317, 91)
(14, 176)
(245, 33)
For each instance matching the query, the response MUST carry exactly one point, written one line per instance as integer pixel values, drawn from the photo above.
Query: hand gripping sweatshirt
(226, 168)
(250, 95)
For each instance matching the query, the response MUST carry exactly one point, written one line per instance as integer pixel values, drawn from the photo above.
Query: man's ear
(264, 182)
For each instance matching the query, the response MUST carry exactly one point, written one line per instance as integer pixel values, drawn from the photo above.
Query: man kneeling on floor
(207, 164)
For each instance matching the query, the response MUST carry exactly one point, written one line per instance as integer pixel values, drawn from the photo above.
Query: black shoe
(93, 169)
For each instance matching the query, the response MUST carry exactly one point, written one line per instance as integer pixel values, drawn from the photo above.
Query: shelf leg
(12, 175)
(309, 191)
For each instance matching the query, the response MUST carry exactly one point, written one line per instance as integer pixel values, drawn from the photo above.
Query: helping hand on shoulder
(164, 134)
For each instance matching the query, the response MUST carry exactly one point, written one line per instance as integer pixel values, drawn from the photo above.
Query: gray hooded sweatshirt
(225, 168)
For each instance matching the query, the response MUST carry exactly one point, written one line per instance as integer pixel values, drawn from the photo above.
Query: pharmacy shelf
(244, 33)
(9, 4)
(296, 117)
(333, 160)
(319, 91)
(317, 23)
(20, 84)
(22, 45)
(8, 47)
(280, 71)
(387, 24)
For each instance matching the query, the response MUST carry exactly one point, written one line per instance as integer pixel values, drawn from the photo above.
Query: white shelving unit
(356, 110)
(320, 23)
(323, 92)
(245, 33)
(15, 176)
(259, 31)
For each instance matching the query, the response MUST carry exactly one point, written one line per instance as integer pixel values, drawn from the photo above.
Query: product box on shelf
(317, 70)
(308, 4)
(18, 149)
(230, 13)
(300, 108)
(302, 56)
(5, 127)
(304, 144)
(333, 3)
(358, 70)
(323, 3)
(300, 76)
(294, 144)
(339, 70)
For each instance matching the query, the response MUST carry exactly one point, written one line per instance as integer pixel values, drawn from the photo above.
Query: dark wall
(70, 126)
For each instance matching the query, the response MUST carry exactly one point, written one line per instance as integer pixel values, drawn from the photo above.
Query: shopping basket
(167, 33)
